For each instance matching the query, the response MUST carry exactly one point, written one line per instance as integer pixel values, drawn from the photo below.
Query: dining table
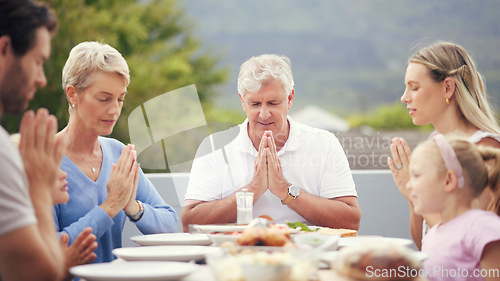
(204, 274)
(189, 244)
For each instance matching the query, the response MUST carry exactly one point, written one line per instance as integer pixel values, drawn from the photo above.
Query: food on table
(381, 261)
(252, 263)
(322, 230)
(265, 236)
(266, 217)
(302, 226)
(337, 231)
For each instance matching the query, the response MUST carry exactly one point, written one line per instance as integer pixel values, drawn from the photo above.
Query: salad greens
(300, 225)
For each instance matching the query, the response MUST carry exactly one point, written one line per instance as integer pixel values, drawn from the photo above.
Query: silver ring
(399, 167)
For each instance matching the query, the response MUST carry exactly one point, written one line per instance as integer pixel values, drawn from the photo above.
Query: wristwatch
(293, 192)
(138, 215)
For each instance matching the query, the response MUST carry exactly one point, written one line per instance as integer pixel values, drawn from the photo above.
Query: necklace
(71, 147)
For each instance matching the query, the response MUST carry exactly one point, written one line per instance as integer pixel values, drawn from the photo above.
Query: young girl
(446, 175)
(81, 251)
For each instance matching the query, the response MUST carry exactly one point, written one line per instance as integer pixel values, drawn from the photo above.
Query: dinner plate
(330, 256)
(133, 271)
(351, 241)
(164, 253)
(211, 228)
(172, 239)
(218, 239)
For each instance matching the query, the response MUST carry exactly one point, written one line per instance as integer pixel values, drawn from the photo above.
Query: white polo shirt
(312, 159)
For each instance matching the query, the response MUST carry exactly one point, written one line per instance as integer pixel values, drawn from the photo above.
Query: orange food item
(264, 236)
(266, 217)
(360, 261)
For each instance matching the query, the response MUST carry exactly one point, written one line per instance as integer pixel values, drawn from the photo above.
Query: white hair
(260, 70)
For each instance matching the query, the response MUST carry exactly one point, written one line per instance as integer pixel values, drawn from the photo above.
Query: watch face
(294, 191)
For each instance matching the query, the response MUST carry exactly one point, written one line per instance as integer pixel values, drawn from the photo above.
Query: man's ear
(242, 102)
(4, 45)
(290, 98)
(451, 181)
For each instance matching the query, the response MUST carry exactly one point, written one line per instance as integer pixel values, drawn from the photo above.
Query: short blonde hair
(87, 58)
(445, 59)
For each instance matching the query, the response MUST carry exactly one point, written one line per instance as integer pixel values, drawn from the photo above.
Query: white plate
(133, 271)
(164, 253)
(218, 239)
(210, 228)
(172, 239)
(350, 241)
(330, 256)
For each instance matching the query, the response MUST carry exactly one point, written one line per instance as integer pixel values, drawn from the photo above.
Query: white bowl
(261, 263)
(265, 272)
(313, 240)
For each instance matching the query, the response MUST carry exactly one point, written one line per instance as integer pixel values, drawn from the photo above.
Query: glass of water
(244, 206)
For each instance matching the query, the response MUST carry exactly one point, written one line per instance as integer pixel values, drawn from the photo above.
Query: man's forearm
(209, 212)
(343, 212)
(42, 204)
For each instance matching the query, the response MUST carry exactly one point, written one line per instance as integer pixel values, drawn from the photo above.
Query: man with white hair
(297, 173)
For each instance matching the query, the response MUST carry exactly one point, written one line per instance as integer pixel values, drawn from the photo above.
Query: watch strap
(287, 199)
(138, 215)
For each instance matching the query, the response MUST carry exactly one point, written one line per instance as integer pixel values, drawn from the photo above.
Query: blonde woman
(443, 88)
(107, 185)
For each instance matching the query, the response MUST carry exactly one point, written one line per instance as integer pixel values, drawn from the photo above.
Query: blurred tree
(394, 116)
(155, 37)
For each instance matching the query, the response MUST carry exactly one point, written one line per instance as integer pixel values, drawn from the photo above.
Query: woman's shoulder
(111, 144)
(485, 138)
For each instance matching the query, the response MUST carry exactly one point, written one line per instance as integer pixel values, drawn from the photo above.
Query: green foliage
(213, 114)
(393, 116)
(155, 37)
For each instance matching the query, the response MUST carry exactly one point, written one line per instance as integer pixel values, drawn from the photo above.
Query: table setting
(260, 250)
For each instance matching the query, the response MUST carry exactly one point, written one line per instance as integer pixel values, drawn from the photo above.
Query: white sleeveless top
(479, 135)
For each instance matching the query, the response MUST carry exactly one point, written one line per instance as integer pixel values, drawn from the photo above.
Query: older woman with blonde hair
(444, 88)
(106, 183)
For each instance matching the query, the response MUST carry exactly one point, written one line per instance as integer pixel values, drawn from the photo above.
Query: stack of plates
(165, 253)
(172, 239)
(134, 271)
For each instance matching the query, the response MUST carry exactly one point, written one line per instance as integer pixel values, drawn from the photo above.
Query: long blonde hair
(445, 59)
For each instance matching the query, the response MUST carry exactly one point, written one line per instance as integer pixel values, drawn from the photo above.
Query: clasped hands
(399, 164)
(268, 173)
(122, 184)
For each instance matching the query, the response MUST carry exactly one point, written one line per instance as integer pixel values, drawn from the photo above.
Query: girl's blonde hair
(480, 166)
(445, 59)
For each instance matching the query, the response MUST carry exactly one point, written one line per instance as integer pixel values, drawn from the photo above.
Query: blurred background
(348, 57)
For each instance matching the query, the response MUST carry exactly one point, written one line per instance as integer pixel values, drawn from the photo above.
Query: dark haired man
(29, 249)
